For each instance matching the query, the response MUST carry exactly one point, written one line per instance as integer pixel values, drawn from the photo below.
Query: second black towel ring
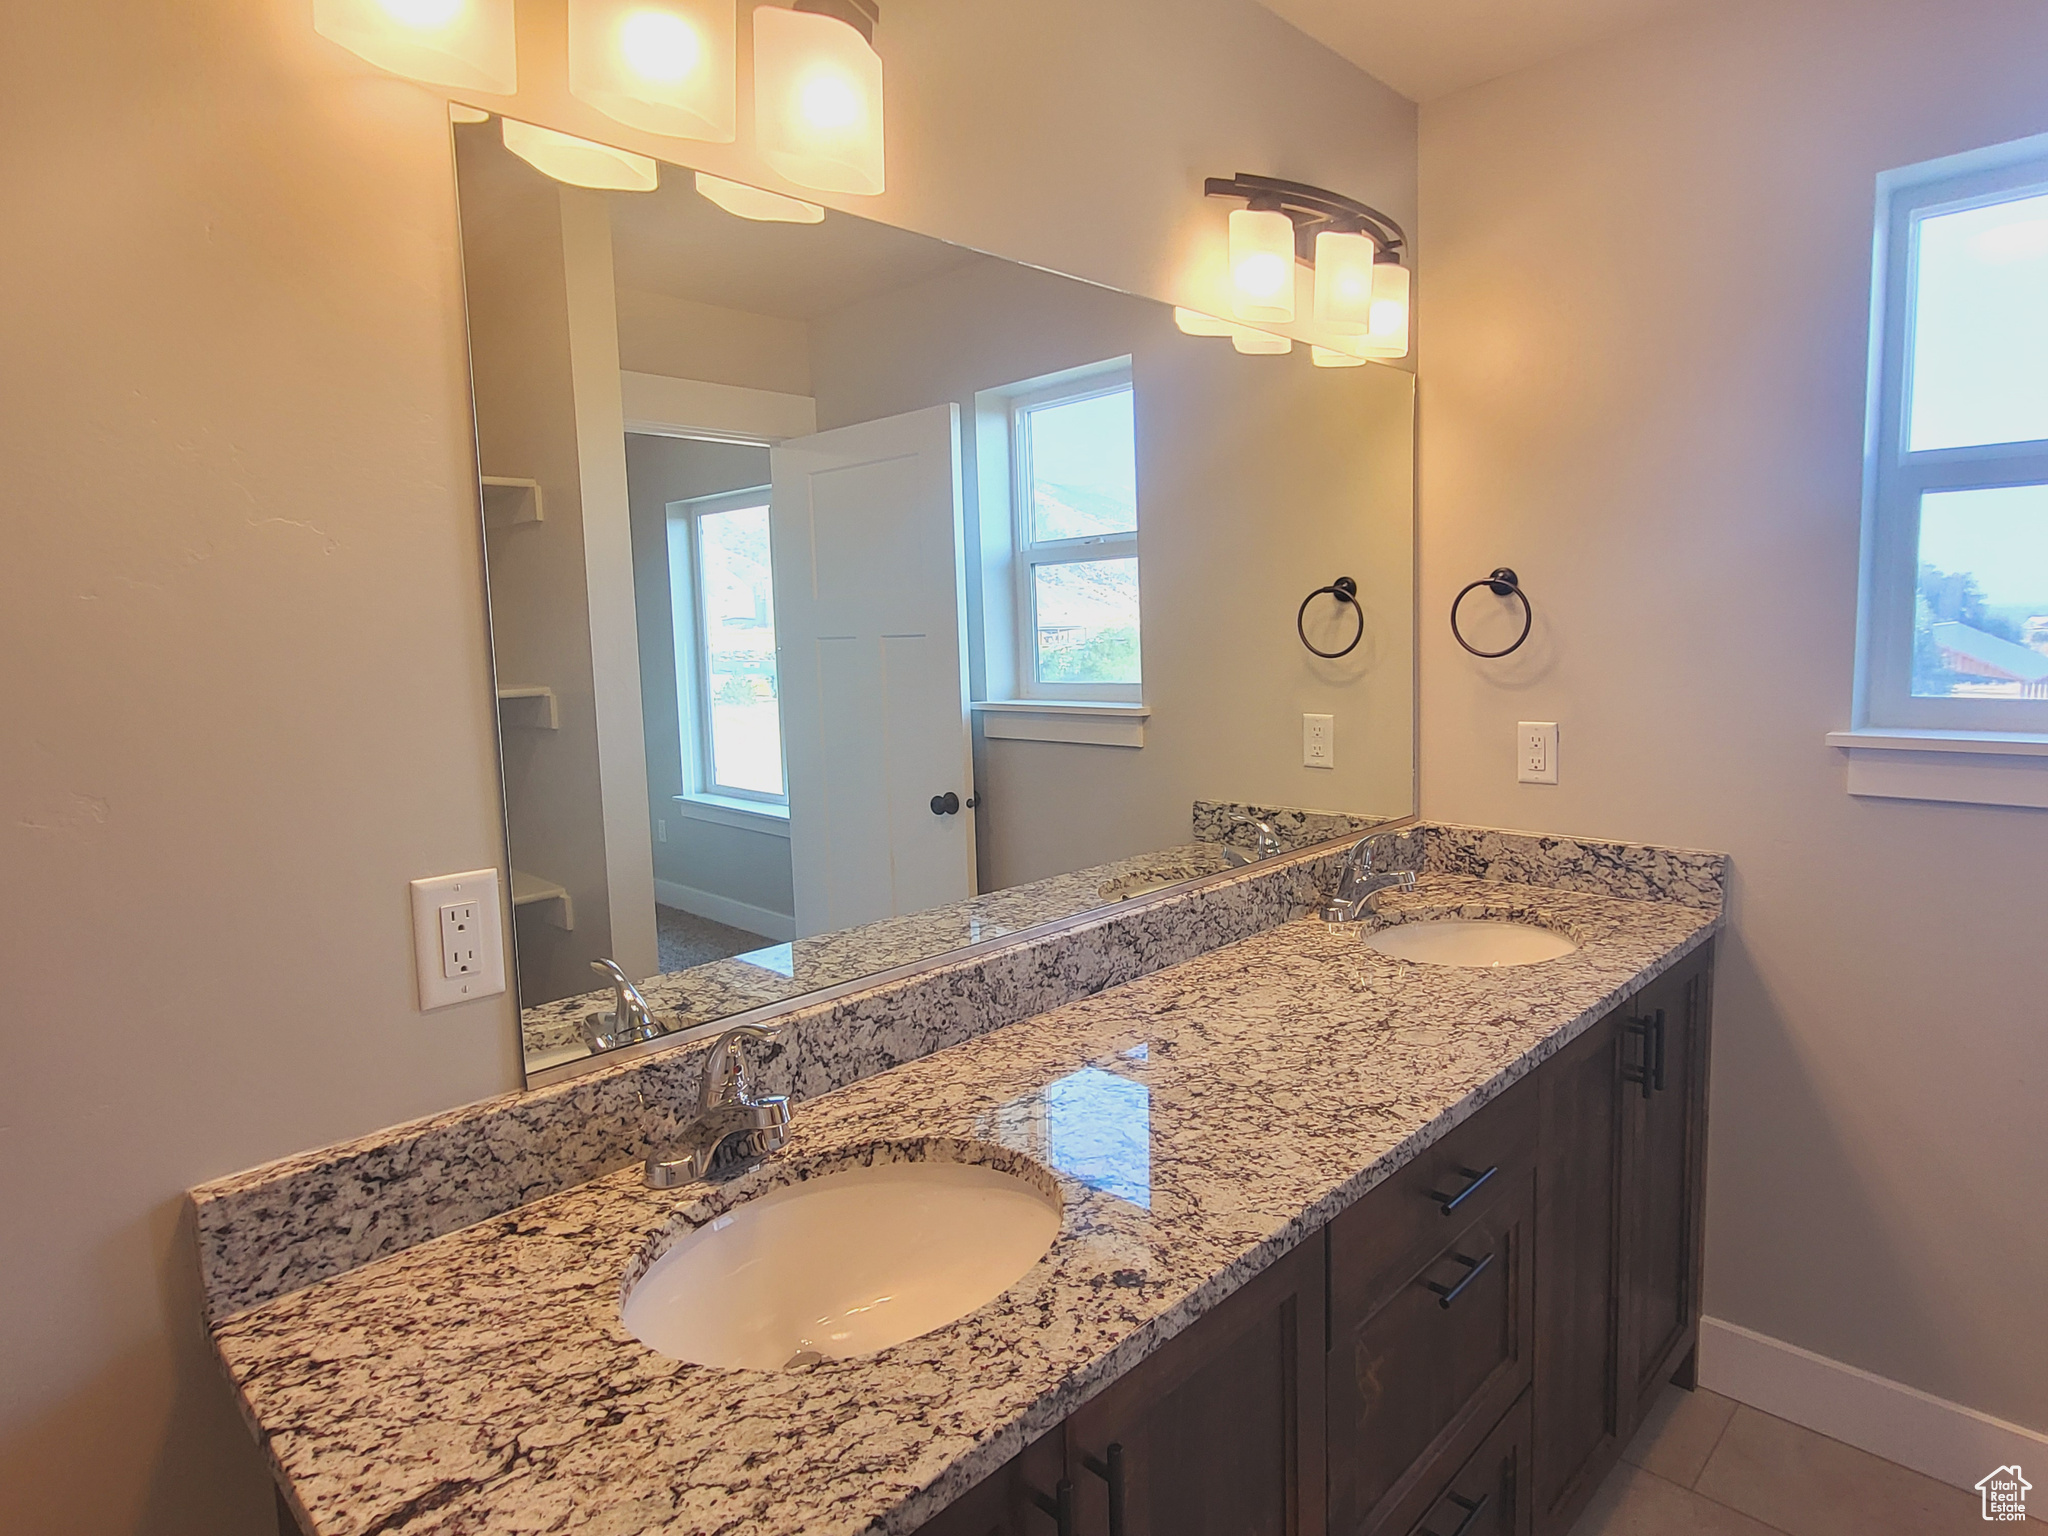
(1345, 590)
(1502, 583)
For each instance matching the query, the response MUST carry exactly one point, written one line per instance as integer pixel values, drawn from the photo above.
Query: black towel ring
(1345, 590)
(1502, 583)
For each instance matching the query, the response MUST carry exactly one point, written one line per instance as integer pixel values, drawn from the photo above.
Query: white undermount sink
(842, 1265)
(1478, 942)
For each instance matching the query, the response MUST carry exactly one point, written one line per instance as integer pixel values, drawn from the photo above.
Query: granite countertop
(1200, 1121)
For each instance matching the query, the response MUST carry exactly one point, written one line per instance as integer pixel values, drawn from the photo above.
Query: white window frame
(1029, 552)
(693, 671)
(1896, 478)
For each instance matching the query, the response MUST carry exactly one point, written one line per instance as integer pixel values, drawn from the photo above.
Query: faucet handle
(725, 1070)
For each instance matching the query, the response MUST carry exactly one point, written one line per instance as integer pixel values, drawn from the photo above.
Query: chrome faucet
(630, 1021)
(1359, 889)
(726, 1110)
(1268, 842)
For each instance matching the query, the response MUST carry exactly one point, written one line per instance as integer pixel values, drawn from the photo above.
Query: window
(1955, 597)
(1074, 506)
(724, 600)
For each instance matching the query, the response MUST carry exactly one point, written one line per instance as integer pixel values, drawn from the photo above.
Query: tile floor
(1704, 1465)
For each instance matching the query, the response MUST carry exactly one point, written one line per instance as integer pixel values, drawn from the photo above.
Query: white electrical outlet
(1318, 741)
(458, 937)
(660, 830)
(1536, 752)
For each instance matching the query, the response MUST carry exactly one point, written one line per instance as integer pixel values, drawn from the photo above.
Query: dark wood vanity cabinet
(1464, 1352)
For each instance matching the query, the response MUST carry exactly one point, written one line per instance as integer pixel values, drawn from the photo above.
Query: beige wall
(1644, 335)
(247, 696)
(684, 340)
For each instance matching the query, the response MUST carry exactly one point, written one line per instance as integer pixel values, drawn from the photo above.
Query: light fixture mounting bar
(1312, 210)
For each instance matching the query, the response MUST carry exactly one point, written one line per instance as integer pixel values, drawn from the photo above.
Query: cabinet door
(1426, 1358)
(1578, 1192)
(1006, 1502)
(1665, 1038)
(1221, 1432)
(1489, 1496)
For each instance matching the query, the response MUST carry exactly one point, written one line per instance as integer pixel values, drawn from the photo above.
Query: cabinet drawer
(1426, 1358)
(1489, 1494)
(1382, 1238)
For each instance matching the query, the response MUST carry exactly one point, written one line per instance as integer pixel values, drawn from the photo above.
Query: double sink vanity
(1199, 1213)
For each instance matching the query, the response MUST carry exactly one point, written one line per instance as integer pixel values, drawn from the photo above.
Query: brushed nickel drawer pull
(1446, 1294)
(1449, 1203)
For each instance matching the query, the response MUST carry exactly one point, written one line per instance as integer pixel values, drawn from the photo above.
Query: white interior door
(871, 656)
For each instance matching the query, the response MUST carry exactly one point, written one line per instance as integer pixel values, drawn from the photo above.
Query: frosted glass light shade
(1261, 264)
(736, 197)
(1192, 322)
(1323, 357)
(580, 162)
(458, 112)
(817, 101)
(1344, 281)
(467, 44)
(1259, 343)
(666, 66)
(1389, 326)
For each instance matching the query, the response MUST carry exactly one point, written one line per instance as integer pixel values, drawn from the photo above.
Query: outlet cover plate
(1318, 741)
(486, 977)
(1536, 752)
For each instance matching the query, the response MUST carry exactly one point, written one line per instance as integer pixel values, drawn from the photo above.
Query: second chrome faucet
(726, 1109)
(1359, 889)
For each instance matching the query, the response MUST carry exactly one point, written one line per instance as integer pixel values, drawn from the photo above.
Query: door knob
(947, 804)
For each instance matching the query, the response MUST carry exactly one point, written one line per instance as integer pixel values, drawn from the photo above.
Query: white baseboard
(780, 926)
(1940, 1439)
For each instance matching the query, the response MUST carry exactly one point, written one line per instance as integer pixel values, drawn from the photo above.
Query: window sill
(1959, 767)
(724, 811)
(1078, 722)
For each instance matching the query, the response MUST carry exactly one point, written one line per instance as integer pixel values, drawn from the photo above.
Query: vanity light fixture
(665, 66)
(1192, 322)
(1261, 264)
(460, 112)
(467, 44)
(736, 197)
(1323, 357)
(580, 162)
(1361, 288)
(818, 94)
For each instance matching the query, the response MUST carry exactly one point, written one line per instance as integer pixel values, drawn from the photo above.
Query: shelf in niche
(509, 501)
(533, 891)
(530, 705)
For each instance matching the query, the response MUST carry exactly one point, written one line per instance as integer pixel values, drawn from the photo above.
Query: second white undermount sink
(1472, 942)
(842, 1265)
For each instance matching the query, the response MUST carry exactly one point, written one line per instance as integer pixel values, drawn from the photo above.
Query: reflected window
(1091, 1125)
(724, 603)
(1955, 599)
(1074, 463)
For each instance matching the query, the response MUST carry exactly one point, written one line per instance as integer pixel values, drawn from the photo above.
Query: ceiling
(1426, 51)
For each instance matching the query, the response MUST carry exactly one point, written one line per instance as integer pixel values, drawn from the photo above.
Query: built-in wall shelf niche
(508, 501)
(529, 705)
(536, 891)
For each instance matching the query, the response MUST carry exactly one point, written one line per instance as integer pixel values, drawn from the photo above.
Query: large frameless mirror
(856, 597)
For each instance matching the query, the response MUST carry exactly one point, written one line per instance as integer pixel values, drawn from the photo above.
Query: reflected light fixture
(1255, 343)
(467, 44)
(1261, 264)
(665, 66)
(1193, 322)
(818, 94)
(736, 197)
(580, 162)
(1361, 288)
(1323, 357)
(459, 112)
